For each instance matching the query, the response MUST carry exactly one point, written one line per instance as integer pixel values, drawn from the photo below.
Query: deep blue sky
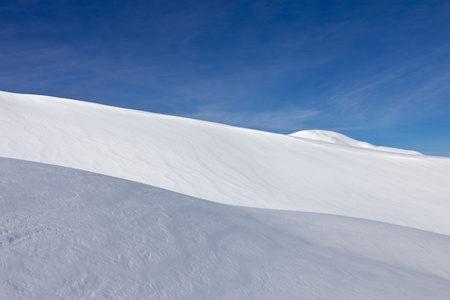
(378, 71)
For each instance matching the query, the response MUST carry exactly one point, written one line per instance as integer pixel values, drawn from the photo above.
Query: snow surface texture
(70, 234)
(228, 164)
(340, 139)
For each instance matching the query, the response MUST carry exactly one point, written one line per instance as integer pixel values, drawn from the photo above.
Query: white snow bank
(228, 164)
(69, 234)
(340, 139)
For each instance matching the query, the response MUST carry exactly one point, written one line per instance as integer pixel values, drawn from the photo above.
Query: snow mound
(340, 139)
(228, 164)
(69, 234)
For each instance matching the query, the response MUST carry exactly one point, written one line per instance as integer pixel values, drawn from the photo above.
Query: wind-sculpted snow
(228, 164)
(70, 234)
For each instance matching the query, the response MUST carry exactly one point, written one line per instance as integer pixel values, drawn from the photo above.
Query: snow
(312, 215)
(340, 139)
(70, 234)
(227, 164)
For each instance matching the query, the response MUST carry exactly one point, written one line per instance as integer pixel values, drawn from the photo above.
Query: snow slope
(340, 139)
(69, 234)
(228, 164)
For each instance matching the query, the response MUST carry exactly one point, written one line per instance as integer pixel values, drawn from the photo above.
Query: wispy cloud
(402, 90)
(277, 121)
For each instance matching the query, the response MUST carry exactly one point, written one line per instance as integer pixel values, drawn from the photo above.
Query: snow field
(70, 234)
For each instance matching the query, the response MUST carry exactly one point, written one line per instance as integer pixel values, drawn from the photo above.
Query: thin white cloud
(278, 121)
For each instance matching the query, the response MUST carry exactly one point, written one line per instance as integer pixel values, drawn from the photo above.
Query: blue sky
(378, 71)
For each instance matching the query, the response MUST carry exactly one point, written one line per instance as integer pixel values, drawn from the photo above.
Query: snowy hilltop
(340, 139)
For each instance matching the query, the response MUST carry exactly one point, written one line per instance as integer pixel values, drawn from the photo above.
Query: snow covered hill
(70, 234)
(228, 164)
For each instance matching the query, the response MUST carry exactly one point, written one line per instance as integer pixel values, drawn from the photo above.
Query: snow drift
(70, 234)
(228, 164)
